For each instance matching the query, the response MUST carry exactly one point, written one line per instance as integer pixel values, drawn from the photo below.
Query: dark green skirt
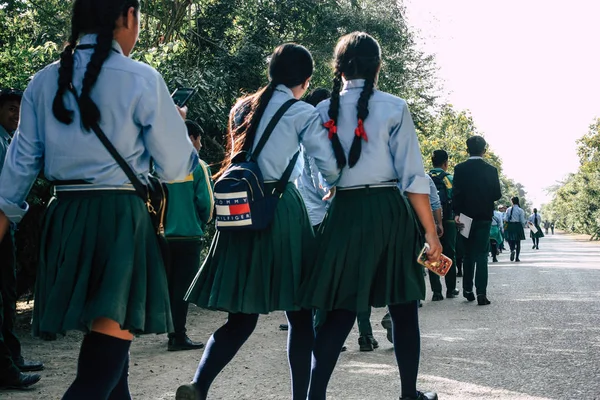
(537, 235)
(256, 272)
(514, 232)
(368, 246)
(99, 257)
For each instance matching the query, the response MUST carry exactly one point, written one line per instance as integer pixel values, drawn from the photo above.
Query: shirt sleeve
(457, 193)
(203, 193)
(24, 160)
(406, 153)
(313, 137)
(165, 134)
(434, 197)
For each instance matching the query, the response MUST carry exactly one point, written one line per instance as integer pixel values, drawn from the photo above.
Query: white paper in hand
(467, 222)
(533, 228)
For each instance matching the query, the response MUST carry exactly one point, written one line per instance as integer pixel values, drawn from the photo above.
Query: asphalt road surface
(539, 339)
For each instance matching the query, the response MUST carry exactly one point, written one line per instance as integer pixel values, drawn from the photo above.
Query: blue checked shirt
(138, 116)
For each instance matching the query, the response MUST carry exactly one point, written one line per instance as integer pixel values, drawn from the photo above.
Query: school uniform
(476, 188)
(515, 218)
(190, 208)
(536, 220)
(99, 253)
(256, 272)
(369, 240)
(448, 240)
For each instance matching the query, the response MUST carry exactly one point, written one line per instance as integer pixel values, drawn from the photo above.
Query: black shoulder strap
(280, 187)
(140, 188)
(271, 127)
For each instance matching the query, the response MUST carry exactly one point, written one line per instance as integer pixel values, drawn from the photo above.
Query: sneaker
(365, 344)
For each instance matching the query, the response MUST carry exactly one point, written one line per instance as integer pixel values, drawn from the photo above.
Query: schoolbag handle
(269, 130)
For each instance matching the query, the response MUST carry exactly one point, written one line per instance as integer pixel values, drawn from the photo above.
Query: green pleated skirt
(538, 234)
(514, 231)
(367, 252)
(495, 234)
(256, 272)
(99, 257)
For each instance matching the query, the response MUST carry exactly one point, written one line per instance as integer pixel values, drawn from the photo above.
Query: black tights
(494, 247)
(515, 245)
(228, 339)
(536, 241)
(333, 334)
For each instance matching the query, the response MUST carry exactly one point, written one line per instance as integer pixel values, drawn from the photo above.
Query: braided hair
(357, 56)
(88, 16)
(291, 65)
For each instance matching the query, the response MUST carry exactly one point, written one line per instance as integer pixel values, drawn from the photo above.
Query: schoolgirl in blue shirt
(100, 270)
(369, 240)
(248, 273)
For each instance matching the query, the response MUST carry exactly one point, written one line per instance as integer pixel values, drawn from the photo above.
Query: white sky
(527, 69)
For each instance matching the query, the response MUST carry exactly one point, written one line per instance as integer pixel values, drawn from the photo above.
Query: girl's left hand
(330, 195)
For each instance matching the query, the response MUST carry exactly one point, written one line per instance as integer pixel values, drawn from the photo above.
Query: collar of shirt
(4, 135)
(91, 39)
(437, 170)
(475, 158)
(284, 89)
(354, 84)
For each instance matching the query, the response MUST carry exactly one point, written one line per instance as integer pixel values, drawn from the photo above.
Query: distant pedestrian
(552, 227)
(476, 189)
(546, 226)
(535, 220)
(515, 218)
(496, 236)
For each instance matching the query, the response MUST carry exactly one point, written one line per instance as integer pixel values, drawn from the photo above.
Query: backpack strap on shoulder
(253, 155)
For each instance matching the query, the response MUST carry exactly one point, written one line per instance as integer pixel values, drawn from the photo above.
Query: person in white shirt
(535, 220)
(515, 217)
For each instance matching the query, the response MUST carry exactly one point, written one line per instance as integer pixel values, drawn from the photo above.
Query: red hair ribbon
(360, 131)
(330, 125)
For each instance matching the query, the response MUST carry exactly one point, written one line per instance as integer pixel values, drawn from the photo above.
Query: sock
(222, 347)
(121, 390)
(101, 363)
(328, 345)
(301, 339)
(407, 345)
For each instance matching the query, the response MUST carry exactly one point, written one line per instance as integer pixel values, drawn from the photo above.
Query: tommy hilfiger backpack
(241, 200)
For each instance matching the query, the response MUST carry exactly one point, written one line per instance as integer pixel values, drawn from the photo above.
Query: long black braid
(334, 111)
(363, 113)
(89, 16)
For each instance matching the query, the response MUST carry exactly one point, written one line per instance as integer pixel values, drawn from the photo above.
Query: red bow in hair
(330, 125)
(360, 131)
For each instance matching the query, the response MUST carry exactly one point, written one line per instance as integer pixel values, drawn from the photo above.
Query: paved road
(539, 339)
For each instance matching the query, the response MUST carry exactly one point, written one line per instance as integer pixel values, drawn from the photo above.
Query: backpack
(443, 186)
(241, 200)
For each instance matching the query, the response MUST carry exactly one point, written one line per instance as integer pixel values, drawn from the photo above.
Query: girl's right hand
(435, 247)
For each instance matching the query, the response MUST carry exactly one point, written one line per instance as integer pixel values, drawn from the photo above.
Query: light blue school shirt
(138, 116)
(532, 219)
(515, 214)
(392, 152)
(300, 125)
(4, 142)
(310, 186)
(434, 197)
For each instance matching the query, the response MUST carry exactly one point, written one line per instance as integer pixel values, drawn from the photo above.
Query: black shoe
(512, 256)
(374, 342)
(437, 296)
(23, 381)
(188, 392)
(537, 247)
(469, 296)
(420, 304)
(451, 294)
(179, 344)
(365, 344)
(533, 248)
(494, 259)
(29, 366)
(422, 396)
(459, 274)
(517, 260)
(482, 300)
(386, 324)
(283, 327)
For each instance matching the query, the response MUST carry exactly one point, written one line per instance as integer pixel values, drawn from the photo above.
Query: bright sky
(527, 69)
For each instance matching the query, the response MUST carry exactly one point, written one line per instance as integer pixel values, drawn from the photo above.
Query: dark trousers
(475, 263)
(185, 262)
(449, 245)
(10, 347)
